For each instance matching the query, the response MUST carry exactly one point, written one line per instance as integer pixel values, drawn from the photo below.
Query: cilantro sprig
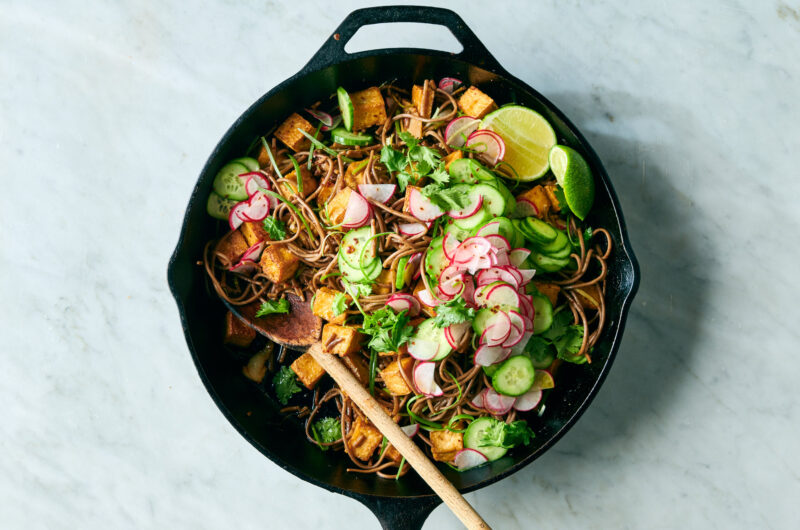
(339, 304)
(446, 198)
(285, 382)
(508, 435)
(565, 337)
(275, 228)
(452, 312)
(389, 330)
(273, 306)
(414, 163)
(327, 431)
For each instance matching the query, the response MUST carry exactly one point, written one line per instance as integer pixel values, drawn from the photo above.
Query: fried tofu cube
(288, 132)
(369, 108)
(475, 103)
(550, 191)
(232, 246)
(363, 439)
(337, 206)
(392, 454)
(428, 310)
(589, 297)
(350, 338)
(355, 174)
(263, 156)
(422, 98)
(452, 157)
(323, 305)
(237, 333)
(445, 445)
(256, 367)
(253, 232)
(393, 378)
(550, 290)
(308, 371)
(538, 197)
(383, 283)
(407, 199)
(415, 127)
(358, 365)
(326, 191)
(309, 183)
(278, 263)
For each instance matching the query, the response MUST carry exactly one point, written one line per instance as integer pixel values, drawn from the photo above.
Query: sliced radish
(244, 266)
(377, 192)
(478, 400)
(254, 252)
(489, 355)
(519, 349)
(513, 271)
(543, 380)
(498, 403)
(499, 242)
(413, 264)
(517, 329)
(488, 145)
(404, 302)
(449, 245)
(527, 275)
(255, 181)
(422, 349)
(324, 118)
(454, 333)
(358, 211)
(257, 208)
(502, 294)
(427, 298)
(527, 323)
(449, 84)
(469, 458)
(421, 207)
(413, 229)
(235, 218)
(526, 306)
(497, 330)
(458, 130)
(411, 430)
(518, 256)
(472, 207)
(488, 229)
(528, 400)
(494, 274)
(424, 378)
(468, 294)
(524, 208)
(499, 257)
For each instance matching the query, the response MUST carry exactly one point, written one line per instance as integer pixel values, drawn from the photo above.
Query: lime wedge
(573, 174)
(528, 138)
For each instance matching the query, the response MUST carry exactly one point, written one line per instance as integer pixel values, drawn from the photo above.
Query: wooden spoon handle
(412, 453)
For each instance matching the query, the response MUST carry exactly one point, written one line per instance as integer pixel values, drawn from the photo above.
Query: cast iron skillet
(406, 503)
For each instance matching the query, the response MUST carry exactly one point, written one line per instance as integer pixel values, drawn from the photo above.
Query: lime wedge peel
(528, 138)
(575, 177)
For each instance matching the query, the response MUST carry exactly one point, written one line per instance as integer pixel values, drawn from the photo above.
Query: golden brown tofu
(263, 156)
(369, 108)
(363, 439)
(237, 333)
(256, 367)
(415, 127)
(355, 175)
(550, 190)
(350, 339)
(392, 454)
(407, 199)
(358, 365)
(309, 183)
(475, 103)
(589, 297)
(445, 445)
(232, 246)
(422, 98)
(323, 305)
(550, 290)
(288, 132)
(431, 312)
(278, 263)
(308, 371)
(383, 283)
(452, 157)
(253, 232)
(393, 378)
(539, 198)
(326, 190)
(337, 206)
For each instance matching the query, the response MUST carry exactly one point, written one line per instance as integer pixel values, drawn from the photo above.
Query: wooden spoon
(300, 329)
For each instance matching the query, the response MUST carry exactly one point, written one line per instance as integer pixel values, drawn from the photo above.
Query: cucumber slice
(219, 207)
(558, 248)
(480, 217)
(494, 200)
(540, 232)
(354, 274)
(499, 225)
(352, 245)
(468, 171)
(228, 184)
(342, 136)
(473, 435)
(435, 260)
(460, 233)
(400, 276)
(546, 263)
(346, 107)
(428, 331)
(511, 201)
(514, 377)
(249, 163)
(490, 370)
(480, 320)
(542, 313)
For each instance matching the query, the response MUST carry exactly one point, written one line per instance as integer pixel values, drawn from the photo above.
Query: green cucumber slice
(469, 171)
(514, 377)
(494, 200)
(480, 217)
(428, 331)
(546, 263)
(346, 107)
(228, 184)
(250, 163)
(460, 233)
(543, 313)
(480, 320)
(342, 136)
(219, 207)
(540, 232)
(474, 434)
(352, 245)
(400, 275)
(353, 274)
(499, 225)
(435, 260)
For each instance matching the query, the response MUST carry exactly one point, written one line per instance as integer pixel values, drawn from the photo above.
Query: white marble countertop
(106, 117)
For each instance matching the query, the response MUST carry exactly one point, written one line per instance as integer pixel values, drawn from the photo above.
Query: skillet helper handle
(474, 51)
(412, 453)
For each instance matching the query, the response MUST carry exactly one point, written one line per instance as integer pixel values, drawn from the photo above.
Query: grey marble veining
(106, 116)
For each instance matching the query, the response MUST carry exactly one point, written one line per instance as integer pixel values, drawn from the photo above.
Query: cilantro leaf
(358, 290)
(388, 329)
(500, 434)
(275, 228)
(393, 159)
(404, 179)
(440, 174)
(339, 304)
(445, 198)
(285, 382)
(539, 350)
(327, 430)
(453, 312)
(273, 306)
(409, 139)
(566, 337)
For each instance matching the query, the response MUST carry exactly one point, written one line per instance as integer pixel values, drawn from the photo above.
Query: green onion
(428, 425)
(271, 158)
(297, 173)
(311, 150)
(373, 365)
(346, 285)
(293, 208)
(459, 392)
(400, 468)
(456, 418)
(364, 249)
(330, 275)
(320, 145)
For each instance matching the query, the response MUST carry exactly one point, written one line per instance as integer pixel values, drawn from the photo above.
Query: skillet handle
(332, 51)
(400, 513)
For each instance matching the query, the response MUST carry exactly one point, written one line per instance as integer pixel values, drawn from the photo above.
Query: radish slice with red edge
(402, 301)
(519, 349)
(257, 208)
(454, 333)
(494, 274)
(411, 430)
(324, 118)
(449, 84)
(500, 295)
(527, 275)
(254, 183)
(421, 207)
(468, 294)
(254, 252)
(422, 349)
(468, 458)
(377, 192)
(498, 403)
(235, 218)
(528, 400)
(449, 245)
(517, 256)
(458, 130)
(474, 204)
(495, 334)
(357, 213)
(337, 120)
(424, 378)
(478, 400)
(517, 329)
(489, 355)
(413, 229)
(427, 298)
(526, 306)
(514, 272)
(524, 208)
(244, 266)
(499, 242)
(488, 145)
